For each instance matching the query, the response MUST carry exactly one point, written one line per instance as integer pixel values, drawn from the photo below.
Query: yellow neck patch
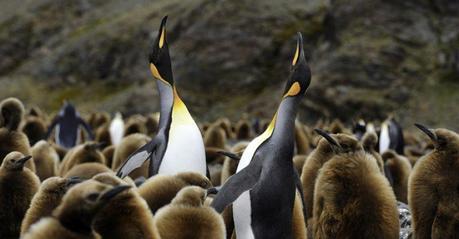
(294, 90)
(161, 39)
(156, 74)
(297, 52)
(180, 114)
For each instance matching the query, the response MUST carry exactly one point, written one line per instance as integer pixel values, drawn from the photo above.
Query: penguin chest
(185, 150)
(242, 216)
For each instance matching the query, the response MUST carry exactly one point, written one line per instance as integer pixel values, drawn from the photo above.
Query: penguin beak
(113, 192)
(72, 181)
(212, 191)
(160, 65)
(330, 140)
(427, 131)
(21, 162)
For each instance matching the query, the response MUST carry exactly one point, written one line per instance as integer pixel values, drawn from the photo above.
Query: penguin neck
(284, 125)
(166, 99)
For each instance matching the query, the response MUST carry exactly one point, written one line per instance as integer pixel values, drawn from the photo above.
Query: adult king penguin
(264, 188)
(178, 145)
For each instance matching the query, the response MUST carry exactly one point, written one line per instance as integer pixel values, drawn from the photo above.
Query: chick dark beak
(427, 131)
(331, 140)
(113, 192)
(21, 162)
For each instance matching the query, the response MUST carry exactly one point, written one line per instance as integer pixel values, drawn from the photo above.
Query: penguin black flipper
(237, 184)
(86, 127)
(136, 159)
(55, 121)
(229, 155)
(396, 135)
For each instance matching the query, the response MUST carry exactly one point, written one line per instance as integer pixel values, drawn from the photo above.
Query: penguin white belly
(384, 140)
(185, 150)
(242, 216)
(116, 131)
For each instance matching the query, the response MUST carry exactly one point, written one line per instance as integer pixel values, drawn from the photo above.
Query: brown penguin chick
(135, 124)
(84, 153)
(73, 218)
(369, 143)
(35, 129)
(126, 216)
(243, 130)
(187, 217)
(298, 162)
(213, 155)
(215, 137)
(98, 119)
(129, 145)
(17, 187)
(11, 139)
(46, 160)
(400, 169)
(87, 170)
(433, 193)
(61, 151)
(48, 197)
(108, 153)
(352, 199)
(161, 189)
(301, 140)
(225, 124)
(151, 124)
(230, 164)
(337, 127)
(37, 112)
(103, 134)
(327, 147)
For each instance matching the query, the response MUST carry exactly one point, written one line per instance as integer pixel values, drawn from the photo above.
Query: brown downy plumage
(301, 139)
(73, 218)
(61, 151)
(46, 160)
(225, 124)
(48, 197)
(230, 165)
(129, 145)
(298, 162)
(352, 199)
(17, 187)
(98, 119)
(35, 129)
(433, 192)
(161, 189)
(103, 134)
(214, 140)
(108, 153)
(126, 216)
(87, 170)
(187, 217)
(369, 143)
(243, 130)
(322, 154)
(84, 153)
(400, 169)
(11, 139)
(151, 123)
(135, 124)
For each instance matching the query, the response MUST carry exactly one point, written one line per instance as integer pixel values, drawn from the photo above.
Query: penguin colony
(169, 177)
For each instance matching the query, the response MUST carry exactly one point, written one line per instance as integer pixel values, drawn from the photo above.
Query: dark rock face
(368, 58)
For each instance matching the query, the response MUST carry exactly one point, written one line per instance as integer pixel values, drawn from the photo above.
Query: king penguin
(178, 145)
(117, 129)
(265, 187)
(391, 136)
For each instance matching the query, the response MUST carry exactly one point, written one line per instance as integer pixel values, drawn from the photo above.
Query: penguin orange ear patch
(161, 39)
(294, 90)
(156, 74)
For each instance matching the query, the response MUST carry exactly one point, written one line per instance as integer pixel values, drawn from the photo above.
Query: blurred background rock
(369, 58)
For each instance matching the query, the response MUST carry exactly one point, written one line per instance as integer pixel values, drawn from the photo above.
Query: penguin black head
(68, 109)
(300, 74)
(160, 62)
(340, 143)
(443, 139)
(15, 161)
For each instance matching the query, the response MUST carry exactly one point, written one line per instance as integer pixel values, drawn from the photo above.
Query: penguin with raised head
(67, 124)
(391, 136)
(178, 145)
(46, 160)
(399, 168)
(74, 216)
(11, 139)
(117, 129)
(188, 218)
(264, 189)
(17, 187)
(48, 197)
(352, 199)
(433, 192)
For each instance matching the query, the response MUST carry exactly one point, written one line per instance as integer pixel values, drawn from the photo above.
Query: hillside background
(369, 58)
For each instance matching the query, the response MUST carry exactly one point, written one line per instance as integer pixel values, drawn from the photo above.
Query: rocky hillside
(368, 57)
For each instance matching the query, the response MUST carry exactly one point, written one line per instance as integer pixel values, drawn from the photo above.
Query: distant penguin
(400, 169)
(337, 127)
(178, 146)
(35, 129)
(433, 193)
(264, 189)
(117, 129)
(243, 130)
(11, 115)
(103, 135)
(359, 128)
(327, 148)
(46, 160)
(187, 217)
(74, 216)
(67, 123)
(225, 124)
(151, 124)
(352, 199)
(230, 164)
(127, 147)
(135, 125)
(391, 136)
(126, 216)
(17, 187)
(98, 119)
(48, 197)
(84, 153)
(87, 170)
(215, 136)
(161, 189)
(370, 143)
